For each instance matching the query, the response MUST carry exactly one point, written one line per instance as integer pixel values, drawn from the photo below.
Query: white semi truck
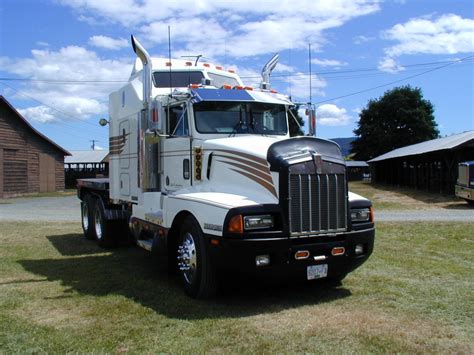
(204, 174)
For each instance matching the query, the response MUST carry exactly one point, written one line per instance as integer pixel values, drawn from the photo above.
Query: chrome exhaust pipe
(145, 58)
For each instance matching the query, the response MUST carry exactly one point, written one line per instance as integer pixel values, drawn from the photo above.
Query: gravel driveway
(67, 209)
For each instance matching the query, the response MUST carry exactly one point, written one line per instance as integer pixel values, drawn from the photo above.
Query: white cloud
(447, 34)
(108, 42)
(74, 100)
(331, 115)
(328, 62)
(282, 24)
(39, 113)
(362, 39)
(390, 65)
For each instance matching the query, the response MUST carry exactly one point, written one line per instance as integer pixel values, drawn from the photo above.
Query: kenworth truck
(204, 174)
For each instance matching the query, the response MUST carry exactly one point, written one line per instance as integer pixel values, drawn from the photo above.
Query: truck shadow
(131, 273)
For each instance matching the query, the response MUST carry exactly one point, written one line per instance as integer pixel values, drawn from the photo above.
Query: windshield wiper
(239, 124)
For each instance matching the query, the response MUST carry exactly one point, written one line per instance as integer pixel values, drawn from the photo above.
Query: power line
(51, 107)
(395, 81)
(359, 70)
(275, 75)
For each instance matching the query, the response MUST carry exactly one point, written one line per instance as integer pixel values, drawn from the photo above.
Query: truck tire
(194, 265)
(87, 217)
(103, 229)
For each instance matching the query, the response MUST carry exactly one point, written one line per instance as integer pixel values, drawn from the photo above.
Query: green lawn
(61, 293)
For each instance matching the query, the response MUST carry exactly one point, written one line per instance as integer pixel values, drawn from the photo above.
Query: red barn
(29, 161)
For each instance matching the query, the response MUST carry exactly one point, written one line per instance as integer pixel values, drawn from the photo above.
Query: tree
(295, 129)
(399, 118)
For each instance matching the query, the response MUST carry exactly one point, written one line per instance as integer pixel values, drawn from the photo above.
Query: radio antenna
(310, 84)
(171, 86)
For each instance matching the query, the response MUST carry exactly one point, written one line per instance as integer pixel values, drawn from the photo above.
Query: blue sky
(59, 59)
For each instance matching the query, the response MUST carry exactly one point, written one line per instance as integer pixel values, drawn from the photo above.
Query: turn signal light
(301, 254)
(372, 214)
(338, 251)
(236, 224)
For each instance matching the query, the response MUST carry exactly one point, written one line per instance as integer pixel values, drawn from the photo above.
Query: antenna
(171, 88)
(310, 84)
(199, 56)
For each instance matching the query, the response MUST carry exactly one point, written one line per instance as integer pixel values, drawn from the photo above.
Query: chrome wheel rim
(85, 216)
(187, 258)
(98, 224)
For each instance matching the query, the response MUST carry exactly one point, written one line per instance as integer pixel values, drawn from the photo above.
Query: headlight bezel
(361, 214)
(251, 222)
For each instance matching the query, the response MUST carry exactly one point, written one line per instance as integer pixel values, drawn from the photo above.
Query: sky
(59, 59)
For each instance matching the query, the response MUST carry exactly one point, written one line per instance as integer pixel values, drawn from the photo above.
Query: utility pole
(93, 143)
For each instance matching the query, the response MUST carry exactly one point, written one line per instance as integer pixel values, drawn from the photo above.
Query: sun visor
(236, 95)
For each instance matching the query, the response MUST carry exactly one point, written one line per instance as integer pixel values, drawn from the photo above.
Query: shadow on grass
(132, 274)
(73, 244)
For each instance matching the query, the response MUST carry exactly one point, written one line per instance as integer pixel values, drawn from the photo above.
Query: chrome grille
(317, 203)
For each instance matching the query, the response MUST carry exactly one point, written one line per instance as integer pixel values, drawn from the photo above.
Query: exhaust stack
(148, 164)
(145, 58)
(267, 70)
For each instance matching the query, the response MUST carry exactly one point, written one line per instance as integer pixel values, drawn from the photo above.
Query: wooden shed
(430, 165)
(29, 161)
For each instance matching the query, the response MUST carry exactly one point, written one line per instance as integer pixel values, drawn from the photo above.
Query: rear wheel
(103, 228)
(196, 271)
(87, 217)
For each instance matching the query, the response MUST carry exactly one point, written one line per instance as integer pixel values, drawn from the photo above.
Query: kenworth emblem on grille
(318, 162)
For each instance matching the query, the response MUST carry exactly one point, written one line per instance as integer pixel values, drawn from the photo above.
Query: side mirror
(103, 122)
(155, 119)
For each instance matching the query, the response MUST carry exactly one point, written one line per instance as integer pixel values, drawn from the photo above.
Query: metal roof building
(430, 165)
(86, 156)
(86, 164)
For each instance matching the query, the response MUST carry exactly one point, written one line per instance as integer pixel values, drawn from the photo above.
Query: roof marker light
(248, 88)
(226, 86)
(188, 64)
(194, 86)
(231, 71)
(274, 91)
(168, 64)
(207, 65)
(238, 87)
(218, 67)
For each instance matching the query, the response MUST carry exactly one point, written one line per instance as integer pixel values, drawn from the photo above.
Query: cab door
(176, 154)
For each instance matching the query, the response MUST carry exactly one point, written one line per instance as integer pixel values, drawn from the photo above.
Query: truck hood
(239, 165)
(248, 146)
(245, 170)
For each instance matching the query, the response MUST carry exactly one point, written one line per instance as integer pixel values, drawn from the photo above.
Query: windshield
(240, 117)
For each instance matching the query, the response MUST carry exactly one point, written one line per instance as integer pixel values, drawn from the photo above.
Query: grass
(60, 293)
(399, 198)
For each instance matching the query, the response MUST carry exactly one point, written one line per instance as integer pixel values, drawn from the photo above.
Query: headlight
(258, 222)
(360, 215)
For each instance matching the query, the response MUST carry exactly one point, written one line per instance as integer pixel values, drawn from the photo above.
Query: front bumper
(239, 255)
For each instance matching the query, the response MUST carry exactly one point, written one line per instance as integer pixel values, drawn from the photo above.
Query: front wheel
(194, 265)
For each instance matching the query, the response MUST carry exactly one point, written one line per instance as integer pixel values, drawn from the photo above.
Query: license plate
(317, 271)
